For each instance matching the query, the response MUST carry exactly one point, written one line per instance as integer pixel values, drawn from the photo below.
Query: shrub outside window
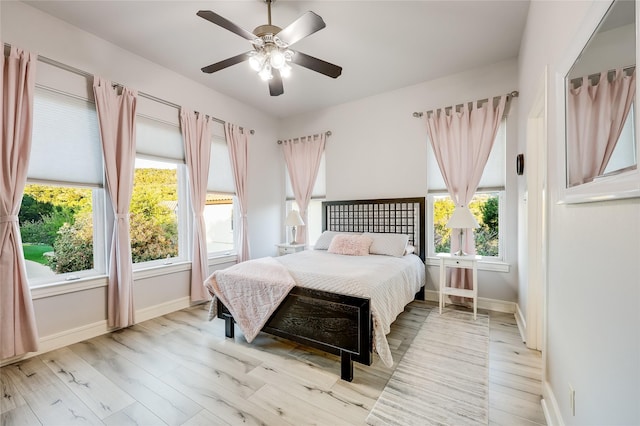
(154, 211)
(57, 229)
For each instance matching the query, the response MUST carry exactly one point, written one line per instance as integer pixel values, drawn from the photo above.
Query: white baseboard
(483, 303)
(89, 331)
(162, 309)
(550, 406)
(62, 339)
(521, 322)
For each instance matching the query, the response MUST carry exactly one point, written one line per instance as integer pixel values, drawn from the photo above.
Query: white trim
(550, 406)
(616, 186)
(162, 309)
(536, 213)
(62, 339)
(483, 303)
(483, 265)
(89, 331)
(219, 260)
(521, 322)
(160, 270)
(59, 288)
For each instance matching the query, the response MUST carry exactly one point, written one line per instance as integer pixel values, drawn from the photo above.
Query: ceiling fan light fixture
(256, 60)
(285, 71)
(265, 73)
(277, 59)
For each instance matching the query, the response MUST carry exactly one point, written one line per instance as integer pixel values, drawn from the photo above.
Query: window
(158, 216)
(219, 219)
(220, 212)
(62, 210)
(314, 211)
(314, 220)
(487, 205)
(154, 211)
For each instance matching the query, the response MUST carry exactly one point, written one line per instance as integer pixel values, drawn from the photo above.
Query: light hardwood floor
(180, 370)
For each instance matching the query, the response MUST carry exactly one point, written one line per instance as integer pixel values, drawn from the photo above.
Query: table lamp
(462, 219)
(293, 220)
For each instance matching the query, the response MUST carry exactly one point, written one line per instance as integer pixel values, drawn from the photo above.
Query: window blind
(66, 140)
(159, 139)
(220, 172)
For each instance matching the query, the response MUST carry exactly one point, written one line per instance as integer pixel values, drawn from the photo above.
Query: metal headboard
(393, 215)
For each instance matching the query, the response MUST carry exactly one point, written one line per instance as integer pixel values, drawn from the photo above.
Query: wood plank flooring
(180, 370)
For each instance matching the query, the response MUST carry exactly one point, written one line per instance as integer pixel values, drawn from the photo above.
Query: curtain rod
(513, 94)
(327, 134)
(142, 94)
(592, 77)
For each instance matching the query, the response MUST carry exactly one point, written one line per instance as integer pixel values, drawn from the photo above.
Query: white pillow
(388, 244)
(324, 240)
(409, 250)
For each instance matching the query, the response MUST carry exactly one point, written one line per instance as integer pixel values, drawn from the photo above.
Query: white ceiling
(381, 45)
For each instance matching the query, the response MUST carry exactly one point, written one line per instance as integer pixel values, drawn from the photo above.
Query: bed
(342, 312)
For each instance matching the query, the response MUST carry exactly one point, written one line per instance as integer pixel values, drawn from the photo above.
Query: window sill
(217, 259)
(161, 269)
(86, 283)
(63, 287)
(483, 265)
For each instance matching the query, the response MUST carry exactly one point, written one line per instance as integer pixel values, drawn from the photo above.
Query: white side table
(464, 262)
(286, 248)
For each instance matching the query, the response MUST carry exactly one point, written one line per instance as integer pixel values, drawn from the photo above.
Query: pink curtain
(303, 156)
(196, 132)
(117, 119)
(462, 141)
(238, 142)
(596, 114)
(18, 331)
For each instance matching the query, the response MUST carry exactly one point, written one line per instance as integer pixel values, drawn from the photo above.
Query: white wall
(593, 320)
(38, 32)
(378, 150)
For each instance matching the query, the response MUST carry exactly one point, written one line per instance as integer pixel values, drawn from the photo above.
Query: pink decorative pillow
(352, 245)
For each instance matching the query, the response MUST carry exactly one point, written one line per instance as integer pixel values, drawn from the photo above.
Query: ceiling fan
(271, 52)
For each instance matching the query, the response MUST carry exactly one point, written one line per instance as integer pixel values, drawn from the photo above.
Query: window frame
(183, 221)
(235, 224)
(99, 239)
(58, 82)
(501, 194)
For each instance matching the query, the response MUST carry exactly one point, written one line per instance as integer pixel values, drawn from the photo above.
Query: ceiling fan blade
(302, 27)
(226, 24)
(226, 63)
(275, 84)
(317, 65)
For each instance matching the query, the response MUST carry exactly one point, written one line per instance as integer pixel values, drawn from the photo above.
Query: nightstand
(465, 262)
(285, 248)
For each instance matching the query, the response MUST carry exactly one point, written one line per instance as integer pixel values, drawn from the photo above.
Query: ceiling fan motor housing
(267, 29)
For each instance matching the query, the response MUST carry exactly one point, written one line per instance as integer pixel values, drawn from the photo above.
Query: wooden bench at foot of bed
(335, 323)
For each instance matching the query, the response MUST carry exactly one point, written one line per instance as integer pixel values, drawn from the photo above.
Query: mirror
(600, 86)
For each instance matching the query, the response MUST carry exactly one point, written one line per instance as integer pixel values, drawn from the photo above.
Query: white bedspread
(390, 282)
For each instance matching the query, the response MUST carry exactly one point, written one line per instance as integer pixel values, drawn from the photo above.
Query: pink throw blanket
(251, 291)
